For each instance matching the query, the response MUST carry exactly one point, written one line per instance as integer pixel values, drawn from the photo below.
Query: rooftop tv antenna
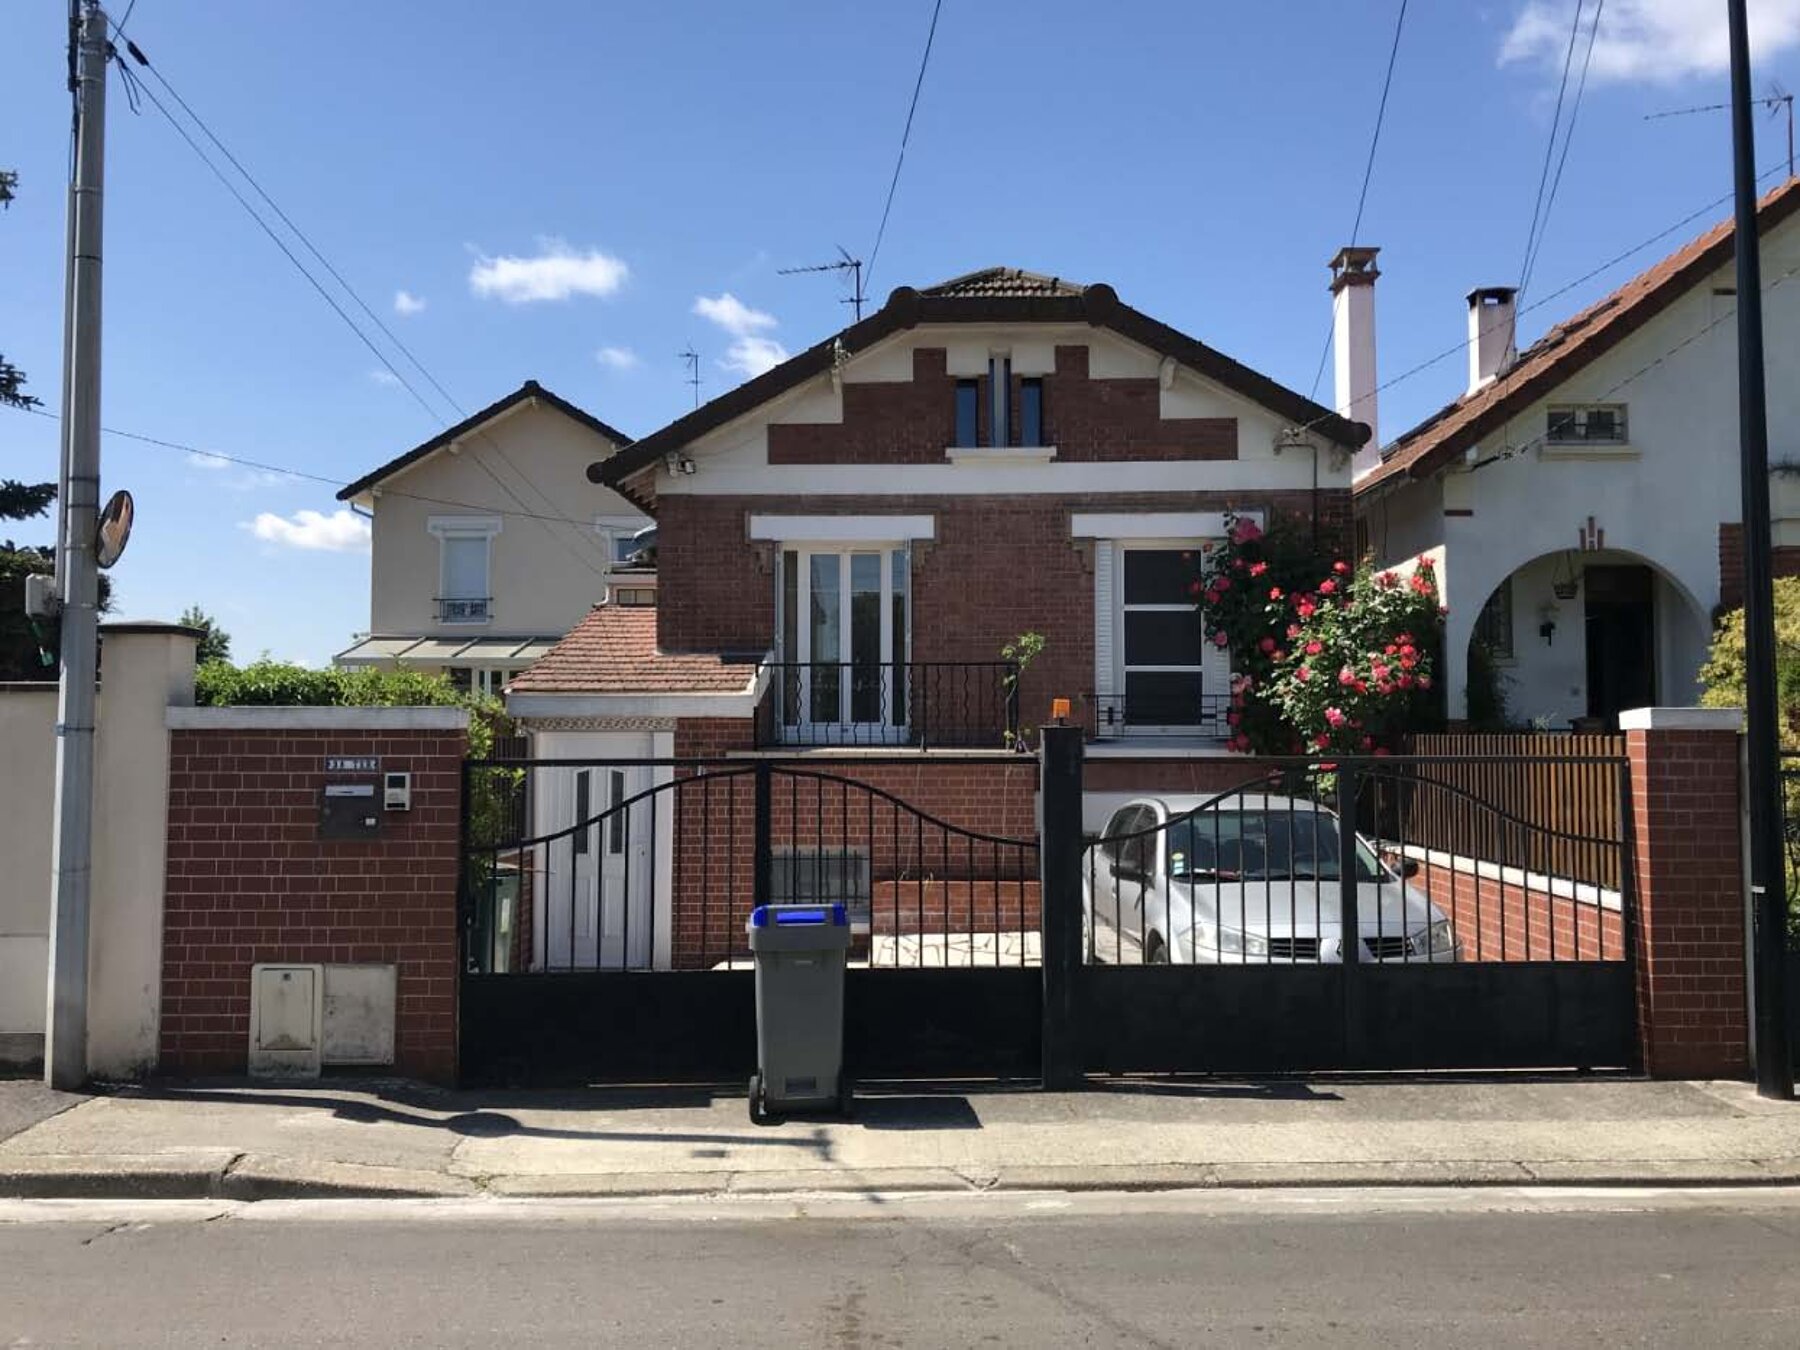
(1776, 99)
(692, 358)
(845, 263)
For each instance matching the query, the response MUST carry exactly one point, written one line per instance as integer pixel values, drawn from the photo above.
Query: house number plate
(352, 764)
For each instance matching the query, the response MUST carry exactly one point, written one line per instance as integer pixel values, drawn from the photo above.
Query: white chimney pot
(1353, 274)
(1493, 322)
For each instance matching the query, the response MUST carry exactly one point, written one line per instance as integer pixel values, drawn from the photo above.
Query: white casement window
(1154, 671)
(844, 620)
(1590, 424)
(465, 566)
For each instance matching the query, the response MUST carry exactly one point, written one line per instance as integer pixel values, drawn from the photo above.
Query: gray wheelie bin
(799, 952)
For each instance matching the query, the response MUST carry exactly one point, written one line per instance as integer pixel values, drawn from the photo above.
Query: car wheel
(1156, 951)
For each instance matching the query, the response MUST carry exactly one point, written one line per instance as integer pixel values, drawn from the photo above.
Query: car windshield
(1266, 845)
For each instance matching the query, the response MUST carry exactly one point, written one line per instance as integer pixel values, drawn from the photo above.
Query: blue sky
(623, 163)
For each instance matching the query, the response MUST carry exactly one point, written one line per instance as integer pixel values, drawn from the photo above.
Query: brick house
(846, 543)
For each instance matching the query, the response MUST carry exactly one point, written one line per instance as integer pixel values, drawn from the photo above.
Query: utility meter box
(396, 792)
(286, 1005)
(348, 811)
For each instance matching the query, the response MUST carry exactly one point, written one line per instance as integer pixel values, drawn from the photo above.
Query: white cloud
(406, 303)
(751, 353)
(617, 358)
(751, 356)
(199, 459)
(340, 532)
(385, 377)
(732, 314)
(556, 272)
(1653, 40)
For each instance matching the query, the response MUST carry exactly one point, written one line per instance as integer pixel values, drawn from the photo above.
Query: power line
(905, 135)
(138, 55)
(1550, 146)
(291, 472)
(1362, 197)
(1568, 138)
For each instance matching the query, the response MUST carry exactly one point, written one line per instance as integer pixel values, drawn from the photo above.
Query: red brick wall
(999, 566)
(1508, 922)
(1784, 561)
(249, 880)
(1689, 874)
(914, 422)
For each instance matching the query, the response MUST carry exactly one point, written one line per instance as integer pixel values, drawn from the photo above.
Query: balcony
(1154, 713)
(464, 609)
(924, 705)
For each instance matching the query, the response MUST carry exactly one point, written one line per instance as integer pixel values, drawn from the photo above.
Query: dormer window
(1593, 424)
(988, 417)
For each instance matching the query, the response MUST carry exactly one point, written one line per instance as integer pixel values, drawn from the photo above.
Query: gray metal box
(799, 951)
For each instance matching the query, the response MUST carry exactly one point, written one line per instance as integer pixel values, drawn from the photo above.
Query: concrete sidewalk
(379, 1139)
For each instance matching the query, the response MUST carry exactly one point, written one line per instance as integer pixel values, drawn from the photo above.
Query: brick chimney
(1493, 344)
(1353, 276)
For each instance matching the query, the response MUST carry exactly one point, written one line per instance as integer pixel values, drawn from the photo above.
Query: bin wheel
(846, 1095)
(759, 1105)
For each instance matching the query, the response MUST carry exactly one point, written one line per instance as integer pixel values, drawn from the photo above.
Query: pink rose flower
(1266, 645)
(1314, 648)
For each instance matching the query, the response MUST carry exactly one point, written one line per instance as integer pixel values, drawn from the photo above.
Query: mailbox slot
(348, 811)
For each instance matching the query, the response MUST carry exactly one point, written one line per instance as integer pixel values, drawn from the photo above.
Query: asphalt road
(1344, 1269)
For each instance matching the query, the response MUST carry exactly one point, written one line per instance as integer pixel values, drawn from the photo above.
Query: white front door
(625, 834)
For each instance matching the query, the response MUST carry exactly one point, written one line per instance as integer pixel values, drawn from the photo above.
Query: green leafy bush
(265, 683)
(1723, 673)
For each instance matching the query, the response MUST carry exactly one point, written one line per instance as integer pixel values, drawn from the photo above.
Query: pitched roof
(529, 390)
(1569, 347)
(1004, 281)
(613, 651)
(996, 295)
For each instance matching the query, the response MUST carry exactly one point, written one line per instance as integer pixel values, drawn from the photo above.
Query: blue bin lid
(788, 916)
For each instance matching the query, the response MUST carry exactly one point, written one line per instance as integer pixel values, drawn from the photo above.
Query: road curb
(246, 1178)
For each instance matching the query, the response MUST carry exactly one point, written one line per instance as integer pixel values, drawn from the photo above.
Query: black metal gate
(604, 905)
(1379, 913)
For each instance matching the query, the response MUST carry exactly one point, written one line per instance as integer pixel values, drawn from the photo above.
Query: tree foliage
(1324, 657)
(215, 642)
(1723, 673)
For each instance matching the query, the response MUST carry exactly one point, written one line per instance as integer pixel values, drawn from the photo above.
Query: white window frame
(614, 530)
(445, 528)
(842, 549)
(1122, 666)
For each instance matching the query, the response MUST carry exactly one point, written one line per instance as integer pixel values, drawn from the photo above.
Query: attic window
(1596, 424)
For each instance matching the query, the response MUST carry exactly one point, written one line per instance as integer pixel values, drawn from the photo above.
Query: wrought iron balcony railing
(464, 609)
(1154, 712)
(926, 704)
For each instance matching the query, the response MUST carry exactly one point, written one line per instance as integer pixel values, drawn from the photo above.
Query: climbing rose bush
(1325, 658)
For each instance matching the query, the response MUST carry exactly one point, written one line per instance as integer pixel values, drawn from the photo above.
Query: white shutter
(1107, 695)
(465, 567)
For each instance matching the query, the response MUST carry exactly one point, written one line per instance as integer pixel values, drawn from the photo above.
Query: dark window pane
(898, 676)
(1602, 424)
(1158, 576)
(1162, 698)
(1162, 637)
(968, 412)
(615, 820)
(1562, 426)
(1031, 412)
(582, 808)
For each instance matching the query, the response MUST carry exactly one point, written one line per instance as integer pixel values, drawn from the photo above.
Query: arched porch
(1572, 638)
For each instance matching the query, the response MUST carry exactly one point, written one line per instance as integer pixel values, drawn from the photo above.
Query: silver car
(1245, 880)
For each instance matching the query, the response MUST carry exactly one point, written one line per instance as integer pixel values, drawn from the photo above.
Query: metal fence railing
(944, 704)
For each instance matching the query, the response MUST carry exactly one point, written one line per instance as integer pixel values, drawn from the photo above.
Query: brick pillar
(1691, 976)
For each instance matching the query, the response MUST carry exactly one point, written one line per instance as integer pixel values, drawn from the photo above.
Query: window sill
(1160, 747)
(1001, 454)
(1596, 450)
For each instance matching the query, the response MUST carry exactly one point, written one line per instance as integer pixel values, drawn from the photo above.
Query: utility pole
(1768, 883)
(65, 1040)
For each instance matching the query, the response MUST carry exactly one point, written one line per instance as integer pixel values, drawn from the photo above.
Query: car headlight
(1242, 944)
(1441, 937)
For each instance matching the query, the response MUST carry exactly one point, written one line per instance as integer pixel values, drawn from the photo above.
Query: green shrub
(265, 683)
(1723, 673)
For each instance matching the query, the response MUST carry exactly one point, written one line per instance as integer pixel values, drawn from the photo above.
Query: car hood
(1288, 908)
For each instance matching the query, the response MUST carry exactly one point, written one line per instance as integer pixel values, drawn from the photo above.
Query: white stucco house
(1581, 499)
(488, 542)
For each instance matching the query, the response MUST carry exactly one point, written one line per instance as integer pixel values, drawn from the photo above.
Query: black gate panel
(571, 1028)
(1495, 1015)
(943, 1024)
(1216, 1019)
